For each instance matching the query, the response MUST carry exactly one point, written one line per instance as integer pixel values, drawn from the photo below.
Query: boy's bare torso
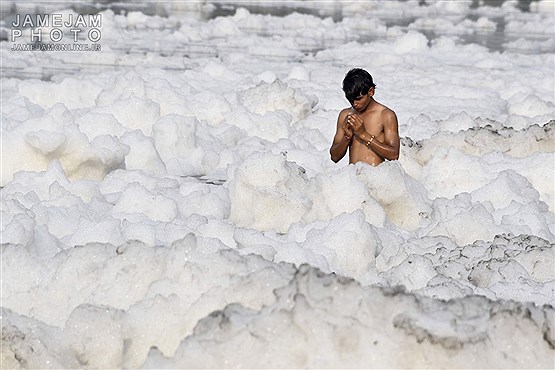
(373, 124)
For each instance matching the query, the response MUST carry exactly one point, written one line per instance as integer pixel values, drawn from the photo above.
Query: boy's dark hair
(357, 82)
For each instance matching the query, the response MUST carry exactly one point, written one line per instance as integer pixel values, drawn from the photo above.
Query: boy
(368, 129)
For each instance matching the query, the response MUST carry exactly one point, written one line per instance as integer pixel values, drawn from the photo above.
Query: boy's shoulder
(385, 110)
(345, 111)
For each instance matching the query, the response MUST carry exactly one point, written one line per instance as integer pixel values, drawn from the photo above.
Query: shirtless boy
(368, 129)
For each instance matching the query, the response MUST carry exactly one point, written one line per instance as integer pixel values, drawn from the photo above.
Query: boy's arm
(342, 139)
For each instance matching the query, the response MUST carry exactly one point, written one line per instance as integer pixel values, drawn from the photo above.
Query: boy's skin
(368, 129)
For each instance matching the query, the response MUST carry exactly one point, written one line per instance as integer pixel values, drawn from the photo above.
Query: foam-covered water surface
(169, 200)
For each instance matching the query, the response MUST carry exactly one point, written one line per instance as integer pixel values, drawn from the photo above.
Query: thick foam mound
(267, 192)
(383, 328)
(404, 199)
(444, 332)
(56, 136)
(277, 96)
(500, 269)
(110, 289)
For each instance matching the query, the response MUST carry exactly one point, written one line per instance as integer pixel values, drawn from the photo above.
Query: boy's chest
(372, 123)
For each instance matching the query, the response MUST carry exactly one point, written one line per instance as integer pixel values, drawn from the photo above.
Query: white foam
(444, 334)
(267, 193)
(121, 248)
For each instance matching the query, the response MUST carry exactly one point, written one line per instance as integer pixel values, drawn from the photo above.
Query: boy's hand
(348, 129)
(356, 124)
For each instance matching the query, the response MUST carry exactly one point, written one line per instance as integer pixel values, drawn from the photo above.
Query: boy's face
(361, 102)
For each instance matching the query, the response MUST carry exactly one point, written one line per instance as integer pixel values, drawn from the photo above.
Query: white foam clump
(270, 97)
(115, 293)
(61, 213)
(300, 73)
(136, 199)
(55, 135)
(271, 126)
(45, 94)
(460, 220)
(531, 105)
(466, 26)
(412, 42)
(176, 141)
(134, 113)
(513, 201)
(142, 153)
(509, 267)
(417, 332)
(522, 44)
(437, 330)
(405, 201)
(343, 191)
(322, 244)
(452, 7)
(268, 192)
(475, 157)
